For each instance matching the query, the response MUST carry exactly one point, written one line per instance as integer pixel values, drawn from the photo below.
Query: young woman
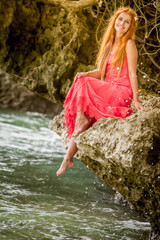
(89, 98)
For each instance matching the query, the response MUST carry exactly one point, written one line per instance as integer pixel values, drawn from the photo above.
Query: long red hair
(109, 38)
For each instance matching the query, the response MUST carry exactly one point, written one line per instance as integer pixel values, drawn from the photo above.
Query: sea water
(36, 204)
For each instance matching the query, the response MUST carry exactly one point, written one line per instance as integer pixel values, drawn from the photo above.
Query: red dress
(109, 98)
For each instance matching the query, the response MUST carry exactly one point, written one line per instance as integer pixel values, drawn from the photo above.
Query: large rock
(17, 97)
(125, 153)
(43, 43)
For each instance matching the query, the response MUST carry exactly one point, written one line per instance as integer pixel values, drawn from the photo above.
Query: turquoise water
(36, 204)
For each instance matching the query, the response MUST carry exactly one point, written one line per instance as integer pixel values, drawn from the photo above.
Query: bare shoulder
(131, 48)
(132, 55)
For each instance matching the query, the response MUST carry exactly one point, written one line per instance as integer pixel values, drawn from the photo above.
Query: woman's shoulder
(131, 46)
(130, 42)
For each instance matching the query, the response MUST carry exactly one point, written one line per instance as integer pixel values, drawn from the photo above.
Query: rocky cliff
(43, 43)
(125, 153)
(17, 97)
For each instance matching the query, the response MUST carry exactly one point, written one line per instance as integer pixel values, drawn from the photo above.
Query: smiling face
(122, 23)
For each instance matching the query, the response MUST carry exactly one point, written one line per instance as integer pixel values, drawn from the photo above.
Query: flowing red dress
(110, 98)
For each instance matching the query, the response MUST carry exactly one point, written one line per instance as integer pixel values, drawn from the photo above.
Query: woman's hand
(79, 74)
(138, 105)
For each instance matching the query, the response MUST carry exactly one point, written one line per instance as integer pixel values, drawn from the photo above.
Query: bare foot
(67, 163)
(82, 122)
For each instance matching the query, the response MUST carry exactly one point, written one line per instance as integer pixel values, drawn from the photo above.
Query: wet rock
(120, 199)
(125, 153)
(154, 235)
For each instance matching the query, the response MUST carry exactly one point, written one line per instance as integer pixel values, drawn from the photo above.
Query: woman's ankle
(68, 158)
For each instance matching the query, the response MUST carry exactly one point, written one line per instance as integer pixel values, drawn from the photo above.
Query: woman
(89, 98)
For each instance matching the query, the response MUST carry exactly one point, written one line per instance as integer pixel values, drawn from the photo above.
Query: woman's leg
(82, 122)
(68, 159)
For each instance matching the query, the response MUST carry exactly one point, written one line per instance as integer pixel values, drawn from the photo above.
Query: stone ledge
(125, 153)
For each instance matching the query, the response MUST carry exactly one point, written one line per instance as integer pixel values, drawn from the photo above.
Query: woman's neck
(114, 45)
(117, 38)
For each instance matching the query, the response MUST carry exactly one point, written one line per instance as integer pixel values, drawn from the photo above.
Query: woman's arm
(95, 74)
(132, 55)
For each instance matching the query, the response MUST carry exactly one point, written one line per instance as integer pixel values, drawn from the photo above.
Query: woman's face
(122, 23)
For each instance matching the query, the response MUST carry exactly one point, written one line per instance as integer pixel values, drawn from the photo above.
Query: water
(36, 204)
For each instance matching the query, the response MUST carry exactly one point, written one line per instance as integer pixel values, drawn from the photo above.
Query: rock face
(17, 97)
(125, 153)
(44, 43)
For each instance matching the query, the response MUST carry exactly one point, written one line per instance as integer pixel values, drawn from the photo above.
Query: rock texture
(44, 43)
(17, 97)
(125, 153)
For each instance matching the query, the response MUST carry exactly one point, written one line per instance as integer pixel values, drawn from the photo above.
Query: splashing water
(36, 204)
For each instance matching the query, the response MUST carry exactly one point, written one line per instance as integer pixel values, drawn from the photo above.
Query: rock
(120, 199)
(44, 43)
(125, 153)
(45, 54)
(17, 97)
(154, 235)
(42, 54)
